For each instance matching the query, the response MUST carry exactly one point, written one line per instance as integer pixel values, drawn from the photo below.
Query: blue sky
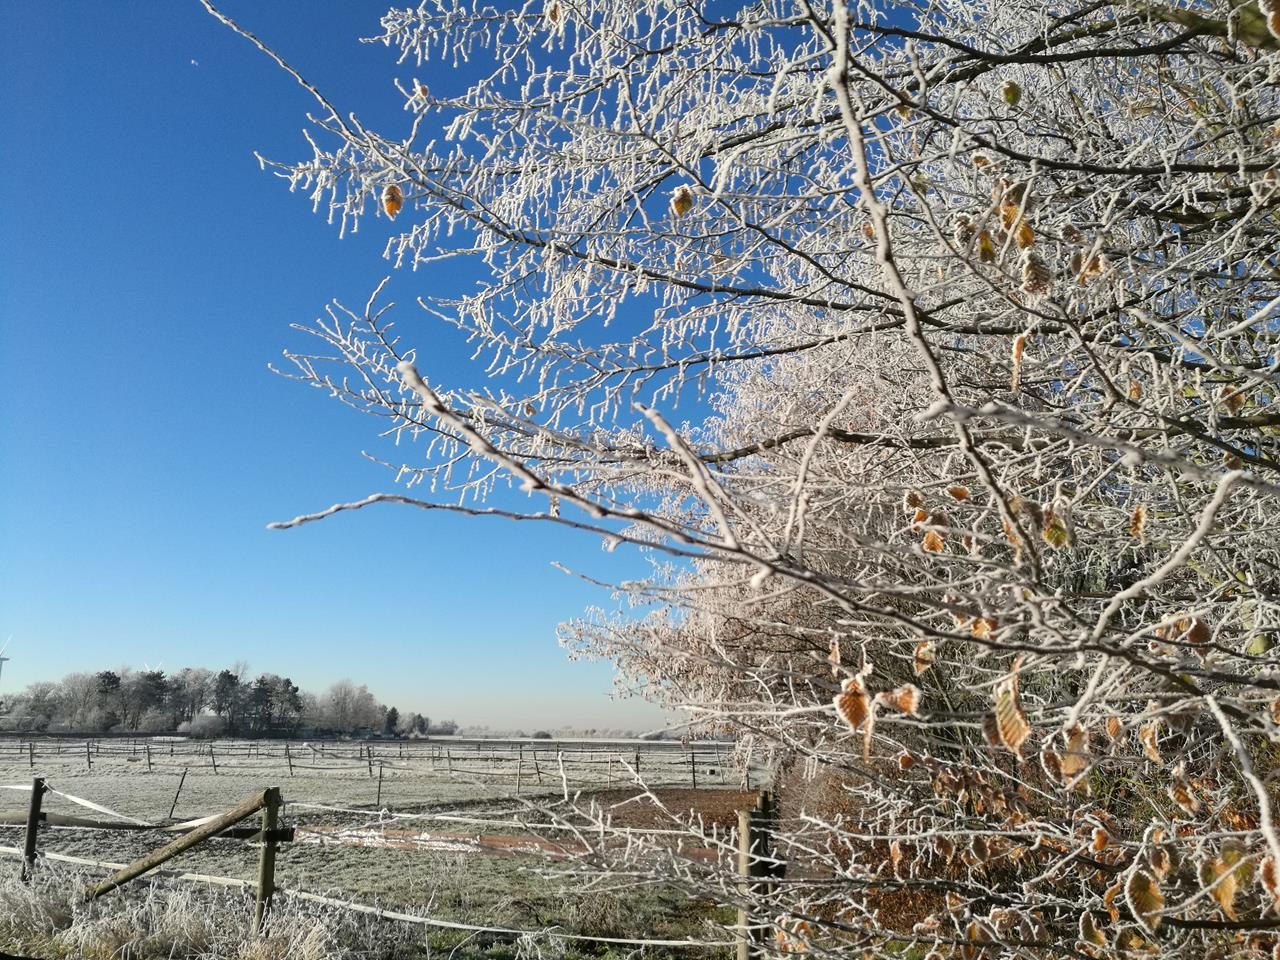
(148, 274)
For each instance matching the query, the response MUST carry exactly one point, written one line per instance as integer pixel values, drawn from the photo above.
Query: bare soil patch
(717, 808)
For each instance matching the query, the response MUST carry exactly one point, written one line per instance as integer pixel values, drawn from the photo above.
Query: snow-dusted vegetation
(930, 351)
(483, 834)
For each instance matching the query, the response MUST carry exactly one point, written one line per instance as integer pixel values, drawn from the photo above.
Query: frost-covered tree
(934, 347)
(78, 695)
(348, 708)
(192, 687)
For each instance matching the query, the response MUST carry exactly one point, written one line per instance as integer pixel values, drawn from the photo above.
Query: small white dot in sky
(195, 63)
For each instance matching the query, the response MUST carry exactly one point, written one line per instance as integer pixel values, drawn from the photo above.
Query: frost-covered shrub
(928, 353)
(205, 725)
(155, 720)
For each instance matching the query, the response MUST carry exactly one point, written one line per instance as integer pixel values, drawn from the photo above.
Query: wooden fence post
(212, 759)
(33, 824)
(768, 817)
(148, 749)
(177, 793)
(369, 757)
(519, 774)
(378, 802)
(754, 848)
(744, 885)
(693, 768)
(31, 754)
(267, 860)
(88, 755)
(288, 757)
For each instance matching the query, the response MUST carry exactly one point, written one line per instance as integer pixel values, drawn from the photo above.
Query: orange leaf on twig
(392, 200)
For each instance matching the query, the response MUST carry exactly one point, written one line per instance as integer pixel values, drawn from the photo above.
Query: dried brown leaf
(1024, 235)
(392, 200)
(923, 656)
(1109, 900)
(1145, 899)
(946, 848)
(986, 247)
(852, 704)
(1269, 877)
(1160, 860)
(1012, 728)
(1233, 398)
(982, 628)
(1089, 932)
(681, 200)
(1181, 793)
(1138, 522)
(1015, 371)
(1148, 734)
(1222, 883)
(1075, 759)
(1051, 764)
(904, 699)
(1186, 629)
(975, 935)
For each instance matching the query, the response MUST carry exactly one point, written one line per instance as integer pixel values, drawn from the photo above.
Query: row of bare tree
(198, 701)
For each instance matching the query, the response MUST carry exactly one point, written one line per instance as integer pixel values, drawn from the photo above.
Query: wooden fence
(523, 763)
(756, 862)
(191, 833)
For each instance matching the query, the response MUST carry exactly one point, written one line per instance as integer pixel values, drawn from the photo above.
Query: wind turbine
(3, 658)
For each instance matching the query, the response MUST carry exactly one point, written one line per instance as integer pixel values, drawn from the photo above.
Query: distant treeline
(201, 702)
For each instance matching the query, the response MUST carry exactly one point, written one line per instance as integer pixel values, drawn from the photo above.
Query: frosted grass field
(414, 775)
(337, 852)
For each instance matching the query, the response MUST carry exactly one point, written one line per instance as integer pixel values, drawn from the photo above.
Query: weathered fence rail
(521, 762)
